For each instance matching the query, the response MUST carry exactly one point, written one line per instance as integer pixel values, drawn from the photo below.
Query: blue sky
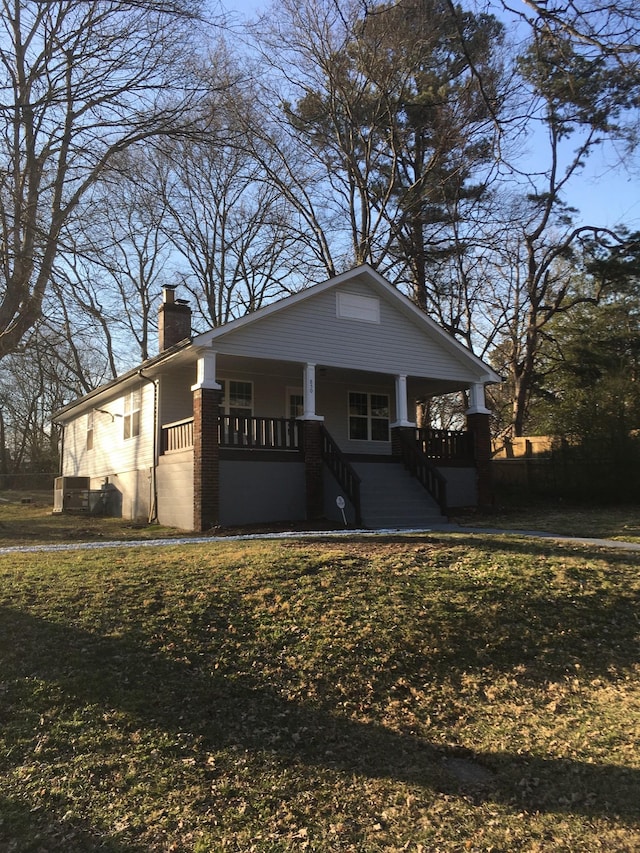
(608, 193)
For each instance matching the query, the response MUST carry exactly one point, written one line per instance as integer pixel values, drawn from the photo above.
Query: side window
(90, 431)
(368, 416)
(132, 406)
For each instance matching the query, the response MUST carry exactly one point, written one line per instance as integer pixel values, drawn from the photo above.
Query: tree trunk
(4, 467)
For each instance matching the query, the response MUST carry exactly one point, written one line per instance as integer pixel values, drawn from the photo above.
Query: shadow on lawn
(46, 830)
(223, 713)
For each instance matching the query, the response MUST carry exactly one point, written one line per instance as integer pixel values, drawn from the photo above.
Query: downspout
(62, 435)
(153, 510)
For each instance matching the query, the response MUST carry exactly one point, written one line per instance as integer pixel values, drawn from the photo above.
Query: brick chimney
(174, 319)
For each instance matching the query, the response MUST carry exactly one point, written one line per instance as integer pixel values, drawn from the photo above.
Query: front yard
(442, 692)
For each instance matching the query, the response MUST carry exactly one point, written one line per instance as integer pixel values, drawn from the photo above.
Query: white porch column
(309, 393)
(402, 413)
(477, 401)
(206, 371)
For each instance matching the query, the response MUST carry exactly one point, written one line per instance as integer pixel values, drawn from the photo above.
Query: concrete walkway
(557, 537)
(324, 534)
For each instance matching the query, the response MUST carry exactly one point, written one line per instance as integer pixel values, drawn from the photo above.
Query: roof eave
(486, 374)
(149, 364)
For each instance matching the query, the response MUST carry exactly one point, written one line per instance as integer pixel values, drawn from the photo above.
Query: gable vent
(354, 306)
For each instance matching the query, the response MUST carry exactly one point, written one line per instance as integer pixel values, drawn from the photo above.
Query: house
(302, 410)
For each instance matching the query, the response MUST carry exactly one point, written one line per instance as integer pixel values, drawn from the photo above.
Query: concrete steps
(391, 497)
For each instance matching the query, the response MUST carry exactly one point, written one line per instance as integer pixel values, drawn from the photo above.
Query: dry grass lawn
(404, 693)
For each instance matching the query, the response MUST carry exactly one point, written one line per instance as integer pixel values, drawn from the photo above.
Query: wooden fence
(568, 470)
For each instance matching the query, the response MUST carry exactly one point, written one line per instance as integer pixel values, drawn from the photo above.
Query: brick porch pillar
(312, 449)
(396, 438)
(478, 424)
(206, 459)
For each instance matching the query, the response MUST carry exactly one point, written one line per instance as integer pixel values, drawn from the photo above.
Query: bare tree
(125, 258)
(308, 204)
(35, 380)
(81, 303)
(226, 226)
(80, 82)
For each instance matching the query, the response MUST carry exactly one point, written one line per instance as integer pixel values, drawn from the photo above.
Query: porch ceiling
(417, 386)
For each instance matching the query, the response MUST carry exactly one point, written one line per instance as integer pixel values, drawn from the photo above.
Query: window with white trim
(90, 430)
(368, 416)
(237, 397)
(132, 406)
(295, 403)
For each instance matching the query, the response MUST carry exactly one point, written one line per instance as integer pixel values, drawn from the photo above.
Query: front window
(240, 398)
(295, 403)
(368, 416)
(237, 398)
(132, 406)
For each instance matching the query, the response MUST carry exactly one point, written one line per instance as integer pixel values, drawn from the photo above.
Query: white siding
(175, 395)
(332, 401)
(310, 330)
(111, 452)
(269, 390)
(127, 463)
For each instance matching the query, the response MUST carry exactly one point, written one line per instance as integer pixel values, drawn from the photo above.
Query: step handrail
(342, 471)
(421, 467)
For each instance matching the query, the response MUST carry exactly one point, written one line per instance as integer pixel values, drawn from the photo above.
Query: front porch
(268, 469)
(441, 446)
